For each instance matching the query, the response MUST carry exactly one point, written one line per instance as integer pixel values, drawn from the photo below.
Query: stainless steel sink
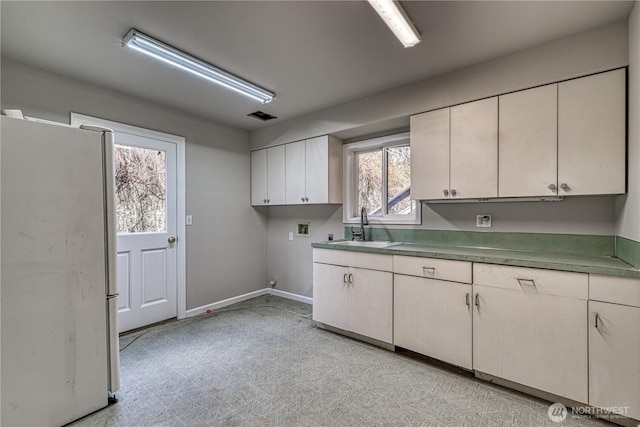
(366, 243)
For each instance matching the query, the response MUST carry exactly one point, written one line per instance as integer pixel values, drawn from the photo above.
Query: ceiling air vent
(260, 115)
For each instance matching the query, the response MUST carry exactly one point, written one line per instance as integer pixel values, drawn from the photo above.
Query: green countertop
(606, 265)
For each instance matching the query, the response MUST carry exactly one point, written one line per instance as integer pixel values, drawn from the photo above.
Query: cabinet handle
(350, 278)
(302, 199)
(264, 201)
(344, 278)
(552, 187)
(597, 320)
(564, 186)
(428, 270)
(453, 193)
(306, 199)
(446, 192)
(468, 299)
(526, 282)
(477, 300)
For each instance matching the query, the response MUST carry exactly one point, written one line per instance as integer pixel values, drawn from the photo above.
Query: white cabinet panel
(276, 175)
(528, 140)
(330, 295)
(433, 268)
(430, 155)
(474, 149)
(259, 169)
(433, 317)
(317, 170)
(614, 363)
(371, 304)
(592, 134)
(532, 339)
(295, 173)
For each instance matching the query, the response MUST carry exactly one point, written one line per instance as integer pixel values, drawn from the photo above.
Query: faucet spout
(363, 221)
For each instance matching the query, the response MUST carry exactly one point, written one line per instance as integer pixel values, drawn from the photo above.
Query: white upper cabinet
(314, 171)
(592, 134)
(430, 155)
(308, 171)
(474, 149)
(528, 139)
(454, 152)
(268, 176)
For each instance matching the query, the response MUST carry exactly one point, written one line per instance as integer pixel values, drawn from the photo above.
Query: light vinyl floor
(264, 363)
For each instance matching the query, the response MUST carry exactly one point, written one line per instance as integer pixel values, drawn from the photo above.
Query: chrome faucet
(363, 221)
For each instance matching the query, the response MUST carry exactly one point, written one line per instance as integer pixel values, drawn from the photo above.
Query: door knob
(171, 239)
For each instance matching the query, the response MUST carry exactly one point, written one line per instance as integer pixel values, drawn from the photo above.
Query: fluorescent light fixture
(183, 61)
(397, 20)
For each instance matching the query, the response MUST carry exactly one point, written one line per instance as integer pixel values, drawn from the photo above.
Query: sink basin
(366, 243)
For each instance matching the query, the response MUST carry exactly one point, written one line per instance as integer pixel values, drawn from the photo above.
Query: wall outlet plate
(483, 221)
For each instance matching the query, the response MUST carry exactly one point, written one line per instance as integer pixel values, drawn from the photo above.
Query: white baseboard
(289, 295)
(244, 297)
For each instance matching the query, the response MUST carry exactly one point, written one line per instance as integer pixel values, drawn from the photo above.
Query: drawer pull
(477, 300)
(526, 282)
(468, 299)
(597, 320)
(429, 270)
(350, 278)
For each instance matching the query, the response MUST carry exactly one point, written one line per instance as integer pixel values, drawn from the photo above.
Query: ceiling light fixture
(397, 20)
(174, 57)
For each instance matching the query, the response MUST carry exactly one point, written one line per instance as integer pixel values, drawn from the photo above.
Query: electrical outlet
(483, 221)
(189, 220)
(291, 235)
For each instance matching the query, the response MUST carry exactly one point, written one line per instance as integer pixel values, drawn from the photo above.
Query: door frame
(180, 141)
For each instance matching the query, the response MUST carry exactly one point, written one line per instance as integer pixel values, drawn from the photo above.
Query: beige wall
(227, 245)
(597, 50)
(628, 206)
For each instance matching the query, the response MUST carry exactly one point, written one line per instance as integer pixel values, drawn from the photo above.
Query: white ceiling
(313, 54)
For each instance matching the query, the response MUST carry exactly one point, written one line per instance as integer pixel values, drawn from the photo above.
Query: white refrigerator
(59, 343)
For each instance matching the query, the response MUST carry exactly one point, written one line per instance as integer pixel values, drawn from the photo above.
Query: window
(378, 178)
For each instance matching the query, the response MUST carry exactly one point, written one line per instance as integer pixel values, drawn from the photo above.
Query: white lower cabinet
(530, 327)
(354, 299)
(433, 317)
(614, 345)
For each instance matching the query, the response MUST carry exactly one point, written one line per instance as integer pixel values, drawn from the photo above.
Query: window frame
(349, 214)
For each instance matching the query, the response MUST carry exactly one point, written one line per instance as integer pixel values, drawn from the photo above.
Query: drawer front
(366, 260)
(433, 268)
(547, 282)
(617, 290)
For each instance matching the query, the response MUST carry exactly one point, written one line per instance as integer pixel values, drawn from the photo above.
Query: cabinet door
(528, 139)
(614, 356)
(474, 149)
(259, 178)
(432, 317)
(317, 170)
(430, 155)
(592, 134)
(532, 339)
(295, 173)
(371, 304)
(331, 295)
(276, 175)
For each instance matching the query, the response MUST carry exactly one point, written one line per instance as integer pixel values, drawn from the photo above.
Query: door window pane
(140, 176)
(399, 181)
(370, 182)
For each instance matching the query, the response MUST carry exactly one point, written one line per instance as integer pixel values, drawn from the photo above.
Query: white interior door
(146, 222)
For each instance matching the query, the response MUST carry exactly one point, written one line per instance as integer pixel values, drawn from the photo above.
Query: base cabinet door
(433, 317)
(614, 363)
(331, 295)
(371, 308)
(354, 299)
(533, 339)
